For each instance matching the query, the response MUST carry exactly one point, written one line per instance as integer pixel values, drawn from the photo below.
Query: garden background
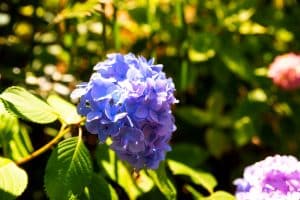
(217, 52)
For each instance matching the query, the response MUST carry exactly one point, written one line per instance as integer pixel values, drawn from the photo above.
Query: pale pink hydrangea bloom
(285, 71)
(274, 178)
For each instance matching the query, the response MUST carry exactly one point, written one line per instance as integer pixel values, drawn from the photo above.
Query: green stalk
(46, 147)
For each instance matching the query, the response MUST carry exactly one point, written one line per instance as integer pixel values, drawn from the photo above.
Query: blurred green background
(217, 52)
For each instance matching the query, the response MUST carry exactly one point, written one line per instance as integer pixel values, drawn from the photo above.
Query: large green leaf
(13, 180)
(99, 189)
(68, 170)
(201, 178)
(22, 103)
(163, 182)
(118, 172)
(67, 111)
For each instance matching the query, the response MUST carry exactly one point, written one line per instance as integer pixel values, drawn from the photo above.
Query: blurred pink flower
(274, 178)
(285, 71)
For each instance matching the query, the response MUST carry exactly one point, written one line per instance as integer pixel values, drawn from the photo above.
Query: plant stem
(79, 132)
(46, 147)
(104, 21)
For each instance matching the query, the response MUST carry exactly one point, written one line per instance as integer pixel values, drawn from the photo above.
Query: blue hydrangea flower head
(276, 177)
(129, 99)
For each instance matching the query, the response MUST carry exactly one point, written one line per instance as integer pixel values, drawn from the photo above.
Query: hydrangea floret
(276, 177)
(129, 99)
(285, 71)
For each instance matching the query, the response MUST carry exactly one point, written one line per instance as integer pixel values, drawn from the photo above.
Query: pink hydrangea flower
(275, 178)
(285, 71)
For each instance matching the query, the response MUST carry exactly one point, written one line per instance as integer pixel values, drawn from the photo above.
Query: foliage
(69, 165)
(13, 179)
(217, 52)
(33, 109)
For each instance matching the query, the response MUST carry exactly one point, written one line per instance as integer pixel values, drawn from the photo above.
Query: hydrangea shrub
(129, 99)
(276, 177)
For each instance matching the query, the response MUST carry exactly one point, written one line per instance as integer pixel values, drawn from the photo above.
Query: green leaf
(67, 111)
(184, 75)
(138, 14)
(118, 172)
(25, 105)
(204, 179)
(197, 155)
(196, 56)
(250, 27)
(237, 64)
(68, 170)
(77, 10)
(20, 144)
(13, 180)
(99, 189)
(220, 195)
(2, 107)
(194, 192)
(163, 182)
(14, 138)
(242, 15)
(194, 115)
(218, 143)
(244, 130)
(215, 103)
(257, 95)
(203, 46)
(24, 137)
(8, 127)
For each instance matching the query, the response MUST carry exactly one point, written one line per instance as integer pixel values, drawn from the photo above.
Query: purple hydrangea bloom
(129, 99)
(275, 178)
